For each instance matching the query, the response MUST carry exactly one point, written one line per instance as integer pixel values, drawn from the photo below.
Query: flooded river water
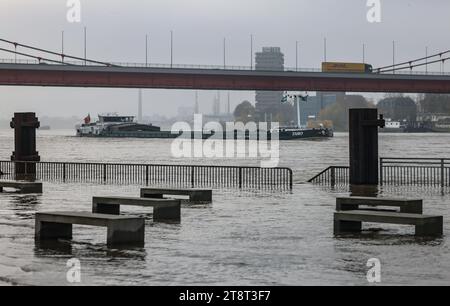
(246, 237)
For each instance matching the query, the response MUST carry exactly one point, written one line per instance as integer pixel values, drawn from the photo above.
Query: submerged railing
(333, 175)
(396, 171)
(151, 174)
(415, 171)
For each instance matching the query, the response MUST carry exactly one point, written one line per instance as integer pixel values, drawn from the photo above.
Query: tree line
(393, 106)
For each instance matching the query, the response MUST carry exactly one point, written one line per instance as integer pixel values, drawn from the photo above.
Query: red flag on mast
(87, 120)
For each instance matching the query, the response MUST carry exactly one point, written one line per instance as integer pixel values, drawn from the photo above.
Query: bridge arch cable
(415, 63)
(49, 52)
(443, 60)
(39, 58)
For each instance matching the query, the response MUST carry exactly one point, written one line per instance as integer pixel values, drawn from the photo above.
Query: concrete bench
(351, 221)
(195, 195)
(121, 230)
(23, 187)
(163, 209)
(411, 206)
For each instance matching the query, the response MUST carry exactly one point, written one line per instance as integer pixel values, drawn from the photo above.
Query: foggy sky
(117, 29)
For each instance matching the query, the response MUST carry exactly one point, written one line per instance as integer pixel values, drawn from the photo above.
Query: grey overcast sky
(117, 29)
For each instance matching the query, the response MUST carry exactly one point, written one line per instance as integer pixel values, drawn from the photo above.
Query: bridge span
(59, 75)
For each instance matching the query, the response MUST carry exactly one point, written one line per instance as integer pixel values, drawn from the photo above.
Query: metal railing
(396, 171)
(151, 174)
(334, 175)
(156, 65)
(415, 171)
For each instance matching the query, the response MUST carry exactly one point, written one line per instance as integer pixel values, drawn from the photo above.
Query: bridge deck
(220, 79)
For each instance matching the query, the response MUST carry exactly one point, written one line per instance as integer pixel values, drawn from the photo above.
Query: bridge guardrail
(206, 67)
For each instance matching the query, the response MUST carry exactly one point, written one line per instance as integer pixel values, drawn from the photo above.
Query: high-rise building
(268, 102)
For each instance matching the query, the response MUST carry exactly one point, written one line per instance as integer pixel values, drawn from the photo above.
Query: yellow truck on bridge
(346, 67)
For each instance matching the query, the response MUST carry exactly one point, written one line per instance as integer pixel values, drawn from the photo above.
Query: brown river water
(246, 237)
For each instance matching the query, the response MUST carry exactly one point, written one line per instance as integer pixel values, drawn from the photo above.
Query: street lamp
(171, 49)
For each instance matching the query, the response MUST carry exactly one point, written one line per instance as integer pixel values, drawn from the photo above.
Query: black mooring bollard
(25, 125)
(363, 127)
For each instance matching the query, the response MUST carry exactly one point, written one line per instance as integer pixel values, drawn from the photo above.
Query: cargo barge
(113, 126)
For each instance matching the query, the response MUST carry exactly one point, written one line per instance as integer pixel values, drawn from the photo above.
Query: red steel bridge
(70, 71)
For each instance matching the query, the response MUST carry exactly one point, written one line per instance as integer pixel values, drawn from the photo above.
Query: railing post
(333, 176)
(291, 179)
(104, 172)
(442, 173)
(192, 177)
(240, 177)
(64, 172)
(146, 174)
(381, 172)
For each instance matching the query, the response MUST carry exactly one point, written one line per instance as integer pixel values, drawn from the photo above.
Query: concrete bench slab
(22, 186)
(411, 206)
(163, 209)
(195, 194)
(351, 221)
(121, 230)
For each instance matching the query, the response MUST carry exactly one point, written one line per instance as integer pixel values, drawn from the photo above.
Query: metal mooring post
(363, 124)
(25, 154)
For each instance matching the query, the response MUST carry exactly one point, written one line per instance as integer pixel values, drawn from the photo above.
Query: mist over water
(246, 237)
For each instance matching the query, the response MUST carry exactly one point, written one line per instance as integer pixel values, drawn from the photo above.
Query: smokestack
(197, 108)
(216, 104)
(140, 107)
(229, 104)
(219, 102)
